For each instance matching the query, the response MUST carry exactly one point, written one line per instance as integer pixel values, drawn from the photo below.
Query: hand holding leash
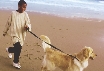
(28, 27)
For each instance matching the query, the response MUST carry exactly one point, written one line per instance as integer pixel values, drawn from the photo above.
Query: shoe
(9, 54)
(17, 65)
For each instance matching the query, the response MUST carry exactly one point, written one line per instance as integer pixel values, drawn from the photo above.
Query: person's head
(22, 6)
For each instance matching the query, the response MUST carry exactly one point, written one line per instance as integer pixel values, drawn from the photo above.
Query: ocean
(64, 8)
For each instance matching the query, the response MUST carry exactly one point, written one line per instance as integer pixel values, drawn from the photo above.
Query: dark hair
(21, 2)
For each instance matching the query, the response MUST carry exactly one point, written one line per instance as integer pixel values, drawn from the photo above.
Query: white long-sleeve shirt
(16, 26)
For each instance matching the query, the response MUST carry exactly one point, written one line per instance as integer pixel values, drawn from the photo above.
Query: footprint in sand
(32, 48)
(27, 45)
(29, 58)
(66, 29)
(53, 28)
(38, 58)
(26, 55)
(42, 56)
(8, 43)
(37, 44)
(38, 51)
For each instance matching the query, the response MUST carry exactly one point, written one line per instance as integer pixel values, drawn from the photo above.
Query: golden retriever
(54, 58)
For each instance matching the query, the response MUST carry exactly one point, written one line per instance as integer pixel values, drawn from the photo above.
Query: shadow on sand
(5, 63)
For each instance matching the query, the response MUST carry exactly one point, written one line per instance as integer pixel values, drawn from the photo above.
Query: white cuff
(29, 25)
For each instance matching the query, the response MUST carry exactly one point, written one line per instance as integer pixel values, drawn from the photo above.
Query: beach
(68, 34)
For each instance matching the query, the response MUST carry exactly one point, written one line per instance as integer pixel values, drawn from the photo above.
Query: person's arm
(28, 25)
(8, 24)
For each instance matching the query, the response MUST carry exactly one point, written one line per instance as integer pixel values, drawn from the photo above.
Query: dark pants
(16, 50)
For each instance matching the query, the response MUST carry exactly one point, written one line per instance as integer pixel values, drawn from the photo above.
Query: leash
(52, 45)
(44, 41)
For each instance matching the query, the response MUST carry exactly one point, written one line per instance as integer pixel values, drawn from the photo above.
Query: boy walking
(17, 25)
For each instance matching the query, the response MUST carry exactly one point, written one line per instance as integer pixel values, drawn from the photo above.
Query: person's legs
(17, 51)
(11, 49)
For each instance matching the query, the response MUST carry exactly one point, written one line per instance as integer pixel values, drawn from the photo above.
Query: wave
(59, 7)
(96, 5)
(66, 3)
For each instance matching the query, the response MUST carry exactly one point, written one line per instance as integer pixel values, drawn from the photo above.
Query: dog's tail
(45, 39)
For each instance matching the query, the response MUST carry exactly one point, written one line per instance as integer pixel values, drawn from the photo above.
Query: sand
(68, 34)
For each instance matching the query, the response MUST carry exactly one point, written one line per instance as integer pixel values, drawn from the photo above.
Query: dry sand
(69, 35)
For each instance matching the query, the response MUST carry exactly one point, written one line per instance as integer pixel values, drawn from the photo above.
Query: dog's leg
(43, 68)
(47, 65)
(44, 64)
(50, 65)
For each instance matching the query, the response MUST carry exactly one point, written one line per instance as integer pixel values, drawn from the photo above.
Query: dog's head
(45, 42)
(88, 53)
(45, 38)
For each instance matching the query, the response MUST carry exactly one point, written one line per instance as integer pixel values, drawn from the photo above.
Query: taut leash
(44, 41)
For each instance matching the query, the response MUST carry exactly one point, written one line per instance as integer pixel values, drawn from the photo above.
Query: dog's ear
(86, 53)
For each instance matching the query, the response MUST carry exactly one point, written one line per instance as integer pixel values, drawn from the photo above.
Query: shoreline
(74, 17)
(68, 34)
